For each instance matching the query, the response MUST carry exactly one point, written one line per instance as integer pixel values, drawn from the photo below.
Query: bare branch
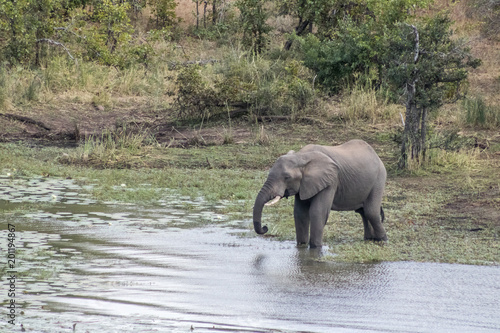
(53, 42)
(417, 42)
(25, 120)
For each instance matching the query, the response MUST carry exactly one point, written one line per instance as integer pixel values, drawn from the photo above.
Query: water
(106, 267)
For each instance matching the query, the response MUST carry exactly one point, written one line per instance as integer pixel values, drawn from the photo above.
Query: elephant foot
(302, 245)
(315, 246)
(377, 239)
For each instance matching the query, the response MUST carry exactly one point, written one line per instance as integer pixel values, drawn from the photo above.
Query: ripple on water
(113, 268)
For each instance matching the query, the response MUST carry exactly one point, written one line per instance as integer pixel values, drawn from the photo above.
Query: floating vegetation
(73, 204)
(42, 190)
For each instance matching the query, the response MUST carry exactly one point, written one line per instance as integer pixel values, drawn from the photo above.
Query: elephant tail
(382, 215)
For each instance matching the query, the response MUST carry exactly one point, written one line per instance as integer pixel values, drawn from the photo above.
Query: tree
(425, 66)
(255, 28)
(114, 21)
(349, 43)
(164, 11)
(25, 25)
(330, 16)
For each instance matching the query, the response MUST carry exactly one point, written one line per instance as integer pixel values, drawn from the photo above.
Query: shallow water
(112, 268)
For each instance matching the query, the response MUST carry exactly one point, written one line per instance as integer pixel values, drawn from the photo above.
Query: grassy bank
(447, 211)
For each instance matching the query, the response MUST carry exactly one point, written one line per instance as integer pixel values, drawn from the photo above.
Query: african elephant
(323, 178)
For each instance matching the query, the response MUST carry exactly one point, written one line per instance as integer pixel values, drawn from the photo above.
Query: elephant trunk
(262, 198)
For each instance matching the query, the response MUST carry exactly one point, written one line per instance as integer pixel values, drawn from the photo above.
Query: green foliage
(350, 41)
(29, 28)
(195, 98)
(420, 62)
(164, 12)
(256, 84)
(23, 25)
(113, 31)
(330, 16)
(340, 61)
(254, 26)
(438, 63)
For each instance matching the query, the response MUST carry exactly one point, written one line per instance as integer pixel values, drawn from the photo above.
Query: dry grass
(485, 80)
(363, 102)
(62, 82)
(186, 12)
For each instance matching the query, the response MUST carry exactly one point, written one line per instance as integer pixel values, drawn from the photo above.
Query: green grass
(419, 227)
(189, 176)
(424, 216)
(477, 113)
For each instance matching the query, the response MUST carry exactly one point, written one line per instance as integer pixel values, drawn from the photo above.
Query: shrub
(195, 98)
(261, 86)
(25, 25)
(270, 87)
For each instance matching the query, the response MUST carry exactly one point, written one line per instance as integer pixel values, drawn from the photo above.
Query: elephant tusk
(272, 202)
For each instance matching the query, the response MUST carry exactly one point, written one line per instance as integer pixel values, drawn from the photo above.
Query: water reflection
(114, 268)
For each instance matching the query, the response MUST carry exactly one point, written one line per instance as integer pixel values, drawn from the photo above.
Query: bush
(261, 86)
(195, 98)
(164, 12)
(338, 62)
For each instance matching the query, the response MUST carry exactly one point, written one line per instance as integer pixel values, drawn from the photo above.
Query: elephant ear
(320, 171)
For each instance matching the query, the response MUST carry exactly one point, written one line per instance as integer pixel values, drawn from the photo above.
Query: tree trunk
(413, 147)
(214, 12)
(205, 15)
(298, 30)
(423, 133)
(197, 16)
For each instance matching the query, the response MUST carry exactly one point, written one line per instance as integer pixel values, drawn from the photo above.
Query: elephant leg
(372, 214)
(302, 221)
(375, 214)
(320, 209)
(369, 233)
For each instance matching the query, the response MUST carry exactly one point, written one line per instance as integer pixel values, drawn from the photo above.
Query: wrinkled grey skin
(323, 178)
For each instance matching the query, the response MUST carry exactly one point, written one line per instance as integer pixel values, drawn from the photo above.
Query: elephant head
(303, 174)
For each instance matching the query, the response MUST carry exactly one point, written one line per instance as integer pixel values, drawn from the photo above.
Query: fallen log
(25, 120)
